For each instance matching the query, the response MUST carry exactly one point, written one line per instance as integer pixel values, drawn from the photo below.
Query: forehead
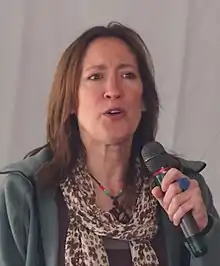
(109, 49)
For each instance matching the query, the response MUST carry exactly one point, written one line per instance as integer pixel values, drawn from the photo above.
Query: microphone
(158, 162)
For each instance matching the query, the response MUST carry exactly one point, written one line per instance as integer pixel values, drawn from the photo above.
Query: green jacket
(29, 219)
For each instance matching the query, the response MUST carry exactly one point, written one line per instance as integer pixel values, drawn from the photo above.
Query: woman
(86, 198)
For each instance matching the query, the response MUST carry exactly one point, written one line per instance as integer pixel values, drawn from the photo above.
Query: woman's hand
(177, 202)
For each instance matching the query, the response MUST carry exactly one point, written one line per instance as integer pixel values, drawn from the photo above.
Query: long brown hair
(63, 138)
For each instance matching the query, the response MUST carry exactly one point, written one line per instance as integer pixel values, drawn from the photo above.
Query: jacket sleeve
(17, 227)
(212, 238)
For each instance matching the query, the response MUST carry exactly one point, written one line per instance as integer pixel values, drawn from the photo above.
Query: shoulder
(16, 194)
(16, 179)
(193, 170)
(28, 166)
(14, 182)
(191, 166)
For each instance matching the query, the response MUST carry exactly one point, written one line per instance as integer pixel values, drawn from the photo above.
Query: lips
(114, 111)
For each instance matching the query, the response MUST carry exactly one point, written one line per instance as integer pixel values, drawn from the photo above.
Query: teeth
(114, 112)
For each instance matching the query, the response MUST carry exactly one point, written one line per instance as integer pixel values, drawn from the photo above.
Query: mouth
(114, 112)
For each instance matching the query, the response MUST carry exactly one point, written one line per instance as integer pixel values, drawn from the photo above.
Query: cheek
(83, 105)
(85, 100)
(137, 100)
(87, 104)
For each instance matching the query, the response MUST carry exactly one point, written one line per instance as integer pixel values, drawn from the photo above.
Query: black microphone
(158, 162)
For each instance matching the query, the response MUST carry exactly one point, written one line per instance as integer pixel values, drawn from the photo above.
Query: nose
(112, 88)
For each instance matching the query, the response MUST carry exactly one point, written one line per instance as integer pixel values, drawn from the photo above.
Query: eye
(95, 76)
(129, 75)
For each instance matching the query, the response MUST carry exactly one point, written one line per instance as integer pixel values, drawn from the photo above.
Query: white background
(183, 37)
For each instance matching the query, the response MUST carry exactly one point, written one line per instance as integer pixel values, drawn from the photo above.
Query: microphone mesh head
(151, 149)
(155, 157)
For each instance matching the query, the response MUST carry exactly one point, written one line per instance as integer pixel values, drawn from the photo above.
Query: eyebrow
(103, 67)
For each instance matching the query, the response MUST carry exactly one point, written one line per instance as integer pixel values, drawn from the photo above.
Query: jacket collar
(30, 165)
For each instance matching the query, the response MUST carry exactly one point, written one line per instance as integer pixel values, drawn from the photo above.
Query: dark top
(118, 255)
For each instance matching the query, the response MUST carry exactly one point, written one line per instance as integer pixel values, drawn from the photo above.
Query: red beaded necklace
(106, 191)
(118, 211)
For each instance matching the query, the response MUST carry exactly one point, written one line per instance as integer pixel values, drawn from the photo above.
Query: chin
(117, 140)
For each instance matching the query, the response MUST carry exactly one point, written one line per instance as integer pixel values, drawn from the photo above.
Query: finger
(189, 200)
(201, 215)
(181, 211)
(194, 184)
(158, 194)
(178, 201)
(170, 177)
(174, 201)
(171, 192)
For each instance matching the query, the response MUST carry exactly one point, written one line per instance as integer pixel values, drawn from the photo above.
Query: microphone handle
(193, 238)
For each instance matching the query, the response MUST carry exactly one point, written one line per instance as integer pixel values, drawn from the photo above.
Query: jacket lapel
(172, 239)
(49, 226)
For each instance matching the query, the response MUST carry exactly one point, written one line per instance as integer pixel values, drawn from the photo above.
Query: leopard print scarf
(88, 224)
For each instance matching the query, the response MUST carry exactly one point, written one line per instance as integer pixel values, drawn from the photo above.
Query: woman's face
(110, 93)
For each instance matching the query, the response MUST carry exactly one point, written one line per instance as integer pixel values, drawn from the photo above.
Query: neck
(108, 163)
